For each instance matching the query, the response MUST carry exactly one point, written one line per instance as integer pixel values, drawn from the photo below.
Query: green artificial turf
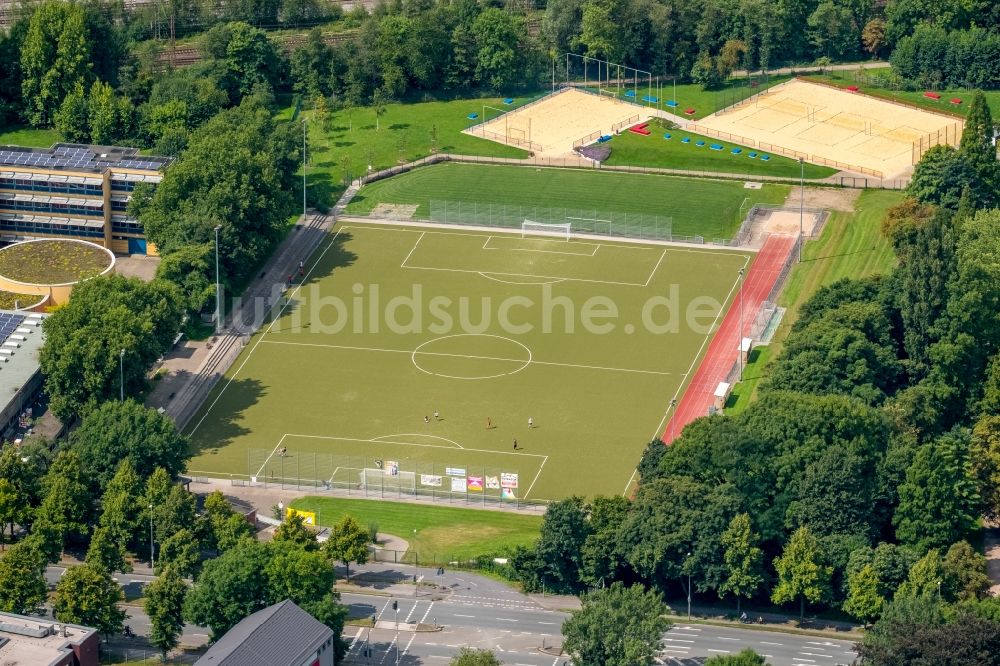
(436, 534)
(656, 150)
(394, 324)
(709, 208)
(29, 137)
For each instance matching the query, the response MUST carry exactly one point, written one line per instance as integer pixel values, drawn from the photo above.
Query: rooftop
(277, 635)
(80, 157)
(22, 361)
(35, 640)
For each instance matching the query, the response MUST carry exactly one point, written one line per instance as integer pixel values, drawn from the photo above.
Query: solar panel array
(74, 158)
(8, 324)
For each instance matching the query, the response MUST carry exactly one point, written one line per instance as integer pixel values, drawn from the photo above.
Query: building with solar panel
(75, 191)
(21, 340)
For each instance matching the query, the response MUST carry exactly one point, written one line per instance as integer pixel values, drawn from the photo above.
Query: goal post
(560, 230)
(377, 478)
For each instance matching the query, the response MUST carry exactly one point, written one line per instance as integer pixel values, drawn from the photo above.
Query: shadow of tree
(218, 421)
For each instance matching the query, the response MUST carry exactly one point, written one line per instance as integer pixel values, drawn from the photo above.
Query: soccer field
(590, 340)
(702, 207)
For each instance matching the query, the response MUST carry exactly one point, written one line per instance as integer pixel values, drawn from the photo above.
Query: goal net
(545, 229)
(385, 479)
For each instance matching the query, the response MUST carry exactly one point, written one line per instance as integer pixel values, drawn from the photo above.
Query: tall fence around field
(581, 220)
(949, 135)
(376, 476)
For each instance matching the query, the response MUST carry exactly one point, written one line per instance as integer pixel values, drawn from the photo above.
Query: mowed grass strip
(435, 533)
(710, 208)
(656, 151)
(850, 246)
(30, 137)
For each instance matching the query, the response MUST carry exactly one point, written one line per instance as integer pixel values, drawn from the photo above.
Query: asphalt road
(482, 613)
(690, 644)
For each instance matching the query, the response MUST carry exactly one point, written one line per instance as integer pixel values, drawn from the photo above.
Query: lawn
(704, 102)
(411, 359)
(850, 246)
(29, 137)
(709, 208)
(349, 141)
(435, 533)
(656, 150)
(915, 98)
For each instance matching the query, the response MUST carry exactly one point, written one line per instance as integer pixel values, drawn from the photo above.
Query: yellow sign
(308, 517)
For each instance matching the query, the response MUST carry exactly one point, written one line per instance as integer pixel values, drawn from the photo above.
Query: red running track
(723, 351)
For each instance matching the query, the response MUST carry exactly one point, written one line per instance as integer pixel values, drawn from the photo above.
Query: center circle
(471, 356)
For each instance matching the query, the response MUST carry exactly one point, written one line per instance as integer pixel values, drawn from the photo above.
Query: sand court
(835, 127)
(551, 125)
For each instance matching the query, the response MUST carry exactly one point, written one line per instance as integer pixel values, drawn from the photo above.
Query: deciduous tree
(802, 575)
(163, 600)
(743, 560)
(617, 626)
(348, 543)
(22, 577)
(88, 595)
(81, 356)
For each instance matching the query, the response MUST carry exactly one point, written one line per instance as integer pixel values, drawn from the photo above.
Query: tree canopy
(82, 356)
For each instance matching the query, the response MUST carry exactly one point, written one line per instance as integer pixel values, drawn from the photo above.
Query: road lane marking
(723, 651)
(767, 643)
(460, 615)
(723, 638)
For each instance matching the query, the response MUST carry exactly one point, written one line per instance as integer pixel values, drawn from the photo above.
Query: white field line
(537, 474)
(415, 244)
(268, 330)
(658, 262)
(271, 455)
(486, 358)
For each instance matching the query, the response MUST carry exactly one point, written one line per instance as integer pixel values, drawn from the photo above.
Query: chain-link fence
(581, 220)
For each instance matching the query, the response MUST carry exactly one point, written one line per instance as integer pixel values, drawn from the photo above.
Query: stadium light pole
(802, 196)
(673, 415)
(121, 375)
(218, 292)
(742, 280)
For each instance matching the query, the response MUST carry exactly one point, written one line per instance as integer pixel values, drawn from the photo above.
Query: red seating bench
(956, 100)
(932, 95)
(689, 111)
(851, 88)
(641, 128)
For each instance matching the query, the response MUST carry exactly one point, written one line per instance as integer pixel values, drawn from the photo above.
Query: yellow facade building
(75, 191)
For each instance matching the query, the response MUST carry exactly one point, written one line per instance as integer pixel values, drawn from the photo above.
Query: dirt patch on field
(392, 211)
(825, 197)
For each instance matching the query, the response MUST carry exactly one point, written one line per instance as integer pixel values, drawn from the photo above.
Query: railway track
(185, 56)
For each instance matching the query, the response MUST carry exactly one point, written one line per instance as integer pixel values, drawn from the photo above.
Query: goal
(562, 230)
(383, 479)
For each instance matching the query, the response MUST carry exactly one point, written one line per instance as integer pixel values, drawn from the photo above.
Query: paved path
(257, 301)
(843, 67)
(991, 545)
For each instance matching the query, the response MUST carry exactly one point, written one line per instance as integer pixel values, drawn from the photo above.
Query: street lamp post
(121, 375)
(689, 590)
(802, 197)
(742, 280)
(218, 291)
(303, 169)
(151, 563)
